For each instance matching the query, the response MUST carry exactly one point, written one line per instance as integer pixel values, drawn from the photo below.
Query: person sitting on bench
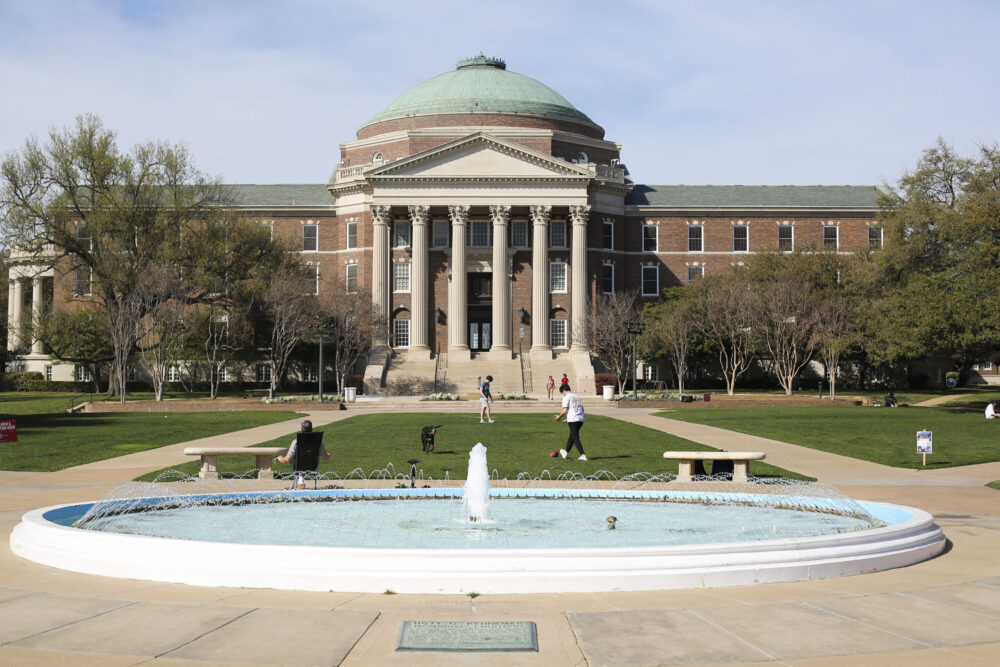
(304, 453)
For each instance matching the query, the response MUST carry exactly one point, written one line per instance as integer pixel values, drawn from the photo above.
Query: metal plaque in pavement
(467, 636)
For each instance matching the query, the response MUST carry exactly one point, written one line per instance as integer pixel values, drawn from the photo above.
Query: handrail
(437, 363)
(72, 400)
(520, 357)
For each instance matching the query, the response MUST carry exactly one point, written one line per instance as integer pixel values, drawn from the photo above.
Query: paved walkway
(942, 612)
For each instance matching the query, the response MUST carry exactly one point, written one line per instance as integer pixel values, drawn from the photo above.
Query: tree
(934, 284)
(840, 333)
(723, 311)
(787, 320)
(606, 332)
(670, 329)
(163, 331)
(355, 321)
(290, 307)
(78, 336)
(110, 214)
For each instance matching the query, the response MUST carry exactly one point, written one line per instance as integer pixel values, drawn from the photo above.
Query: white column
(37, 347)
(502, 325)
(540, 279)
(381, 220)
(419, 216)
(458, 298)
(11, 314)
(578, 259)
(14, 334)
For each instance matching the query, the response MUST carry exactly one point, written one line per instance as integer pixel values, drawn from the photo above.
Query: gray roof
(298, 195)
(755, 196)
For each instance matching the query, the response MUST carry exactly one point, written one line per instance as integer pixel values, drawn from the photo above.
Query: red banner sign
(8, 430)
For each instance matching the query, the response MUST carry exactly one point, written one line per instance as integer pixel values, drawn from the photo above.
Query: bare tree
(291, 307)
(162, 330)
(605, 331)
(840, 329)
(355, 321)
(723, 310)
(670, 328)
(788, 321)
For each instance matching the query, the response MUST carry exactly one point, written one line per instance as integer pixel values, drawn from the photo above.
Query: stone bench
(209, 457)
(741, 462)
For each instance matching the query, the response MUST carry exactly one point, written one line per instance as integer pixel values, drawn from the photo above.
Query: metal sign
(925, 442)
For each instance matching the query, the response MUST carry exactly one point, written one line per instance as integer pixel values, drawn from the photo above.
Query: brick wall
(480, 120)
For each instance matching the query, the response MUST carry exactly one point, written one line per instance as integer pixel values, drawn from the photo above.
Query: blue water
(398, 522)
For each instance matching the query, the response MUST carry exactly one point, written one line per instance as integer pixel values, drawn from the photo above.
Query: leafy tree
(79, 336)
(934, 285)
(670, 331)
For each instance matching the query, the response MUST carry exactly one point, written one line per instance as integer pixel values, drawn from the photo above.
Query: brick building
(483, 211)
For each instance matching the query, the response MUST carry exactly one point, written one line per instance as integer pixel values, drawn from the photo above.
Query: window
(400, 277)
(557, 333)
(741, 238)
(48, 373)
(130, 375)
(557, 234)
(479, 234)
(988, 366)
(440, 229)
(352, 235)
(695, 272)
(351, 275)
(310, 373)
(583, 158)
(84, 280)
(401, 238)
(874, 237)
(650, 280)
(608, 279)
(519, 234)
(83, 237)
(649, 372)
(609, 234)
(173, 374)
(557, 277)
(696, 238)
(377, 158)
(264, 373)
(311, 274)
(83, 374)
(830, 238)
(220, 373)
(649, 240)
(786, 238)
(401, 333)
(310, 237)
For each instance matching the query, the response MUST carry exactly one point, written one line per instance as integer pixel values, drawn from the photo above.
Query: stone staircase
(406, 376)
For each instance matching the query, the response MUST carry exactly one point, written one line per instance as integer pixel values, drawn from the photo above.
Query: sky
(714, 92)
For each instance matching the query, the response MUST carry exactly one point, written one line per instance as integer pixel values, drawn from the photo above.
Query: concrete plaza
(945, 611)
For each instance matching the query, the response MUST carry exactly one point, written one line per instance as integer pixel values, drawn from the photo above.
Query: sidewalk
(942, 612)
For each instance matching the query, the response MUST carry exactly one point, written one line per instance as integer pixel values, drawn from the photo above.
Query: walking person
(565, 382)
(550, 386)
(572, 408)
(485, 398)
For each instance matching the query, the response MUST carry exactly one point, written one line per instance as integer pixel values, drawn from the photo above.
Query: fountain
(571, 533)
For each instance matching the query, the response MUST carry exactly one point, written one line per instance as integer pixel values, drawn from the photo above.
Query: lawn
(881, 435)
(994, 485)
(517, 443)
(49, 438)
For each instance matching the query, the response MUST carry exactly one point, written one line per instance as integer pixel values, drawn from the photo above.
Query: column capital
(500, 214)
(420, 215)
(381, 215)
(459, 214)
(540, 214)
(579, 214)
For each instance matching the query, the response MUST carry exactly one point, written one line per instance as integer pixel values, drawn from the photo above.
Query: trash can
(609, 392)
(350, 394)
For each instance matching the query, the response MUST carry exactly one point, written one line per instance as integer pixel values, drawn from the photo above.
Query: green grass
(881, 435)
(49, 438)
(994, 485)
(516, 443)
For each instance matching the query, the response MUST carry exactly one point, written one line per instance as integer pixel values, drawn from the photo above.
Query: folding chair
(306, 461)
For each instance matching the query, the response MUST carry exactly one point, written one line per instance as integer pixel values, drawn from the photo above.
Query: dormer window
(583, 159)
(377, 158)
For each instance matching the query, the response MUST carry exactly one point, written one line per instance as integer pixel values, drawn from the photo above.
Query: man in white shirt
(991, 410)
(572, 408)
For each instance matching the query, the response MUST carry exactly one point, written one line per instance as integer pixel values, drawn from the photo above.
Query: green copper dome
(480, 84)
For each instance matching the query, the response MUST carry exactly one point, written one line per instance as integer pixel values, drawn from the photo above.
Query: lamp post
(321, 331)
(634, 328)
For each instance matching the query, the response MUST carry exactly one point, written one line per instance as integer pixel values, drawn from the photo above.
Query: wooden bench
(209, 457)
(741, 462)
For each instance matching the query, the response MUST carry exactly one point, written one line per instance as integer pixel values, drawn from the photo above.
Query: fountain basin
(908, 536)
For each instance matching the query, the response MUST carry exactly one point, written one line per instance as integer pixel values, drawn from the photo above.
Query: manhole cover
(467, 636)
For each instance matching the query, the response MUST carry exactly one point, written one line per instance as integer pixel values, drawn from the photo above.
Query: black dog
(427, 437)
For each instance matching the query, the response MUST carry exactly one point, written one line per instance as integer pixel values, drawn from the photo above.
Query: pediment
(480, 156)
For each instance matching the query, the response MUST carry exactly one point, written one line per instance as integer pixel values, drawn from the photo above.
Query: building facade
(484, 212)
